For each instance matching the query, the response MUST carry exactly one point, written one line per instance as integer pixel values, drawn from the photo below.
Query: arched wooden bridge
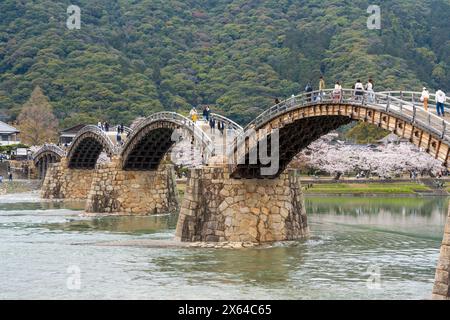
(299, 121)
(304, 118)
(45, 156)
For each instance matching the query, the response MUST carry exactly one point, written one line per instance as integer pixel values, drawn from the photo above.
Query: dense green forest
(134, 57)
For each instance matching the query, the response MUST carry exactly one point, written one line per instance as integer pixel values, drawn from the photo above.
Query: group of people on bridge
(213, 124)
(120, 130)
(440, 100)
(193, 114)
(367, 90)
(359, 90)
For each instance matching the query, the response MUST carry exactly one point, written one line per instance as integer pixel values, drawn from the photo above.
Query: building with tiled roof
(8, 135)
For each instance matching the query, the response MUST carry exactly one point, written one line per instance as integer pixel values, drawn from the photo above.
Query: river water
(360, 248)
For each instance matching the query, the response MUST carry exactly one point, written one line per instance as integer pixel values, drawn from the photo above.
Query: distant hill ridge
(132, 58)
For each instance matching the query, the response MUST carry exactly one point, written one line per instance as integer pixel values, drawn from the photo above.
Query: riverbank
(311, 187)
(390, 188)
(327, 187)
(19, 186)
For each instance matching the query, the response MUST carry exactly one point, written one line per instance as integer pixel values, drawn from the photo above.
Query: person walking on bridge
(359, 90)
(321, 87)
(308, 89)
(193, 114)
(370, 92)
(440, 100)
(424, 98)
(321, 83)
(337, 92)
(206, 112)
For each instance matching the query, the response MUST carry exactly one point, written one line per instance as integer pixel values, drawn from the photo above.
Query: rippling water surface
(353, 240)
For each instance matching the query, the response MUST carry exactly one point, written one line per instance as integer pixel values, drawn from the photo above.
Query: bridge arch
(303, 119)
(152, 139)
(46, 155)
(87, 146)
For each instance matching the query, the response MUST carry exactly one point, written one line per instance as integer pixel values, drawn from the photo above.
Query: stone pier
(217, 208)
(441, 290)
(61, 182)
(114, 190)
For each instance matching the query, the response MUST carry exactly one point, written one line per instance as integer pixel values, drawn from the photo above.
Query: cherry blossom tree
(336, 157)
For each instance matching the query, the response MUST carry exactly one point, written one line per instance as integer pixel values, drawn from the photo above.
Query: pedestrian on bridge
(337, 92)
(321, 83)
(440, 100)
(308, 89)
(425, 97)
(212, 124)
(206, 112)
(193, 114)
(359, 90)
(321, 87)
(370, 92)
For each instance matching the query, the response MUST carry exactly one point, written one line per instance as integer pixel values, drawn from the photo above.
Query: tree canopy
(133, 58)
(36, 121)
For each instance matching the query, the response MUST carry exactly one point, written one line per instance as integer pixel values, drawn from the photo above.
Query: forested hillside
(134, 57)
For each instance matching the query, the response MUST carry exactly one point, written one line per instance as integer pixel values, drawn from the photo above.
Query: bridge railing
(407, 110)
(414, 97)
(230, 124)
(199, 134)
(126, 129)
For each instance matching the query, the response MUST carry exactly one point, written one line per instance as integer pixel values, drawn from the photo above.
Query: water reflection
(30, 206)
(266, 267)
(417, 217)
(121, 224)
(355, 206)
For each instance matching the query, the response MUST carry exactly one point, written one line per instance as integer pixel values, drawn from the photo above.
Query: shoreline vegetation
(320, 187)
(364, 188)
(392, 188)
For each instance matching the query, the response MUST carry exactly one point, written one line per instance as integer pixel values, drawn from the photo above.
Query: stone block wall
(216, 208)
(118, 191)
(441, 290)
(62, 182)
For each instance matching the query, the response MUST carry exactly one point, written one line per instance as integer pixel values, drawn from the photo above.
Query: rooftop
(6, 128)
(73, 130)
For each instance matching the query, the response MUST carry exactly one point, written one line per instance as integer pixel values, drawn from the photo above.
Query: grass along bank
(351, 188)
(408, 188)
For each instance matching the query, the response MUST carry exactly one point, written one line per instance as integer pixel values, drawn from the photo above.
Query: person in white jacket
(370, 92)
(440, 100)
(337, 92)
(424, 98)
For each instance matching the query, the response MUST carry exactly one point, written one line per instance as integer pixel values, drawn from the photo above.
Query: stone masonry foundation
(62, 182)
(216, 208)
(115, 190)
(441, 290)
